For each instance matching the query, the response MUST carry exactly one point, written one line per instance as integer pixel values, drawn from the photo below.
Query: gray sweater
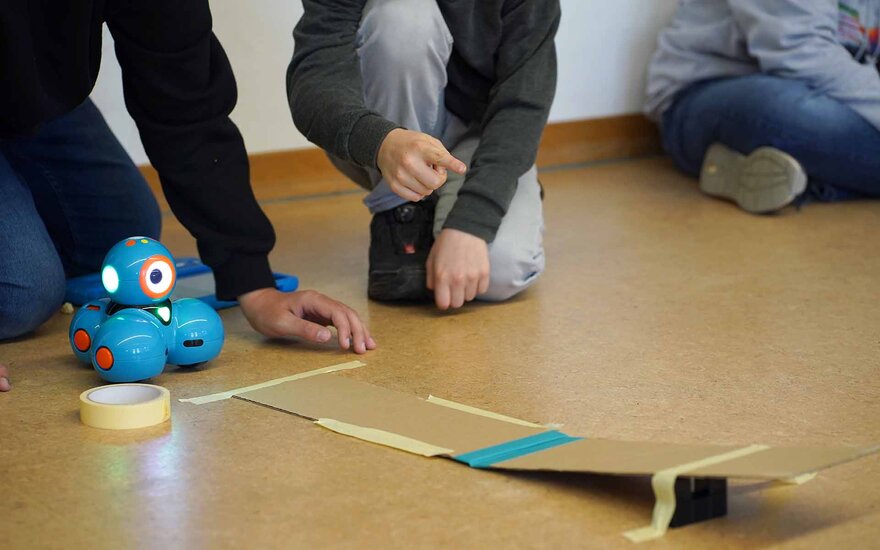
(502, 74)
(805, 40)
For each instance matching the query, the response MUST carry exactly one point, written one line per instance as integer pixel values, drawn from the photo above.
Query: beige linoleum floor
(663, 315)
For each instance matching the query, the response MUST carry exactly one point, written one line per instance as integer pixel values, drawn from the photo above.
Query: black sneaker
(400, 240)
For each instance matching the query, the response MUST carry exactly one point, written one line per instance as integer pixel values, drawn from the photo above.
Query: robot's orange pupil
(155, 276)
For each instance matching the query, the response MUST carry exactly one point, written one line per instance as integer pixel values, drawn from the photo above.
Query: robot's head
(138, 271)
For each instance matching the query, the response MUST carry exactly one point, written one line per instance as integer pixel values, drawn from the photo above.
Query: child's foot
(764, 181)
(4, 379)
(400, 240)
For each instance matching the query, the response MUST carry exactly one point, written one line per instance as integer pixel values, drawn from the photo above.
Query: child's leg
(31, 274)
(403, 46)
(834, 145)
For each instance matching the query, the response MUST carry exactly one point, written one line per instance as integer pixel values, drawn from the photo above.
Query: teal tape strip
(484, 458)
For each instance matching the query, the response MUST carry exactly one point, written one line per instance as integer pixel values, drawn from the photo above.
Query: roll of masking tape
(124, 406)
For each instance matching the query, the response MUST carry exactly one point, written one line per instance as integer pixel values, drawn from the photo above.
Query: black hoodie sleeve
(179, 88)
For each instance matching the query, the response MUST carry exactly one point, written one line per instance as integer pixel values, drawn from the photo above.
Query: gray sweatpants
(404, 46)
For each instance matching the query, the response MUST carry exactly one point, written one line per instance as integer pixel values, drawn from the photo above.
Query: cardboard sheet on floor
(362, 404)
(487, 440)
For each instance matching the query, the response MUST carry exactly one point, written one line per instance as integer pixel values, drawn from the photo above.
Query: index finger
(442, 157)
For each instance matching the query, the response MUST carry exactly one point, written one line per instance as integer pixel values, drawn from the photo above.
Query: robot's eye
(110, 279)
(157, 276)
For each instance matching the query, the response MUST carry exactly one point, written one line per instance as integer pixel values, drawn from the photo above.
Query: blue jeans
(67, 194)
(837, 148)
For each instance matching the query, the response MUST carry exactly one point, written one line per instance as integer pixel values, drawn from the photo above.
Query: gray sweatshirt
(830, 45)
(502, 75)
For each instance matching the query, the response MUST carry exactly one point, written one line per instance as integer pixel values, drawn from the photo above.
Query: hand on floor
(457, 268)
(415, 164)
(305, 314)
(4, 379)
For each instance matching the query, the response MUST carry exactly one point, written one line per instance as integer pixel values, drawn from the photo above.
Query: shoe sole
(762, 182)
(407, 284)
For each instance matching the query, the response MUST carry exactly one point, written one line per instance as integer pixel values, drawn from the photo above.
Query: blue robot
(131, 335)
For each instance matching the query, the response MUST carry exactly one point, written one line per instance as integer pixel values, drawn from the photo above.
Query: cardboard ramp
(692, 475)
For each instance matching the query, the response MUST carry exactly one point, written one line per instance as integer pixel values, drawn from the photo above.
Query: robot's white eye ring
(157, 276)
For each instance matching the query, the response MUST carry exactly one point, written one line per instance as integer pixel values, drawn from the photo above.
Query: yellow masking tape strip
(480, 412)
(227, 394)
(798, 480)
(124, 406)
(663, 483)
(384, 438)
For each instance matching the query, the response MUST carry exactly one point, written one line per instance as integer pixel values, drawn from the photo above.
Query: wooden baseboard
(304, 172)
(597, 139)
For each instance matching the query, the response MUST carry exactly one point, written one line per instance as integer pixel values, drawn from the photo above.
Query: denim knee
(30, 295)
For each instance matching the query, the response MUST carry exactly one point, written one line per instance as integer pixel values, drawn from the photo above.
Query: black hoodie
(179, 88)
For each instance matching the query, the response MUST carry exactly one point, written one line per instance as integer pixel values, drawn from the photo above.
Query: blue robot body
(137, 331)
(129, 346)
(194, 332)
(85, 325)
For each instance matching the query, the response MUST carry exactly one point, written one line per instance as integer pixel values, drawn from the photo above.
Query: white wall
(603, 48)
